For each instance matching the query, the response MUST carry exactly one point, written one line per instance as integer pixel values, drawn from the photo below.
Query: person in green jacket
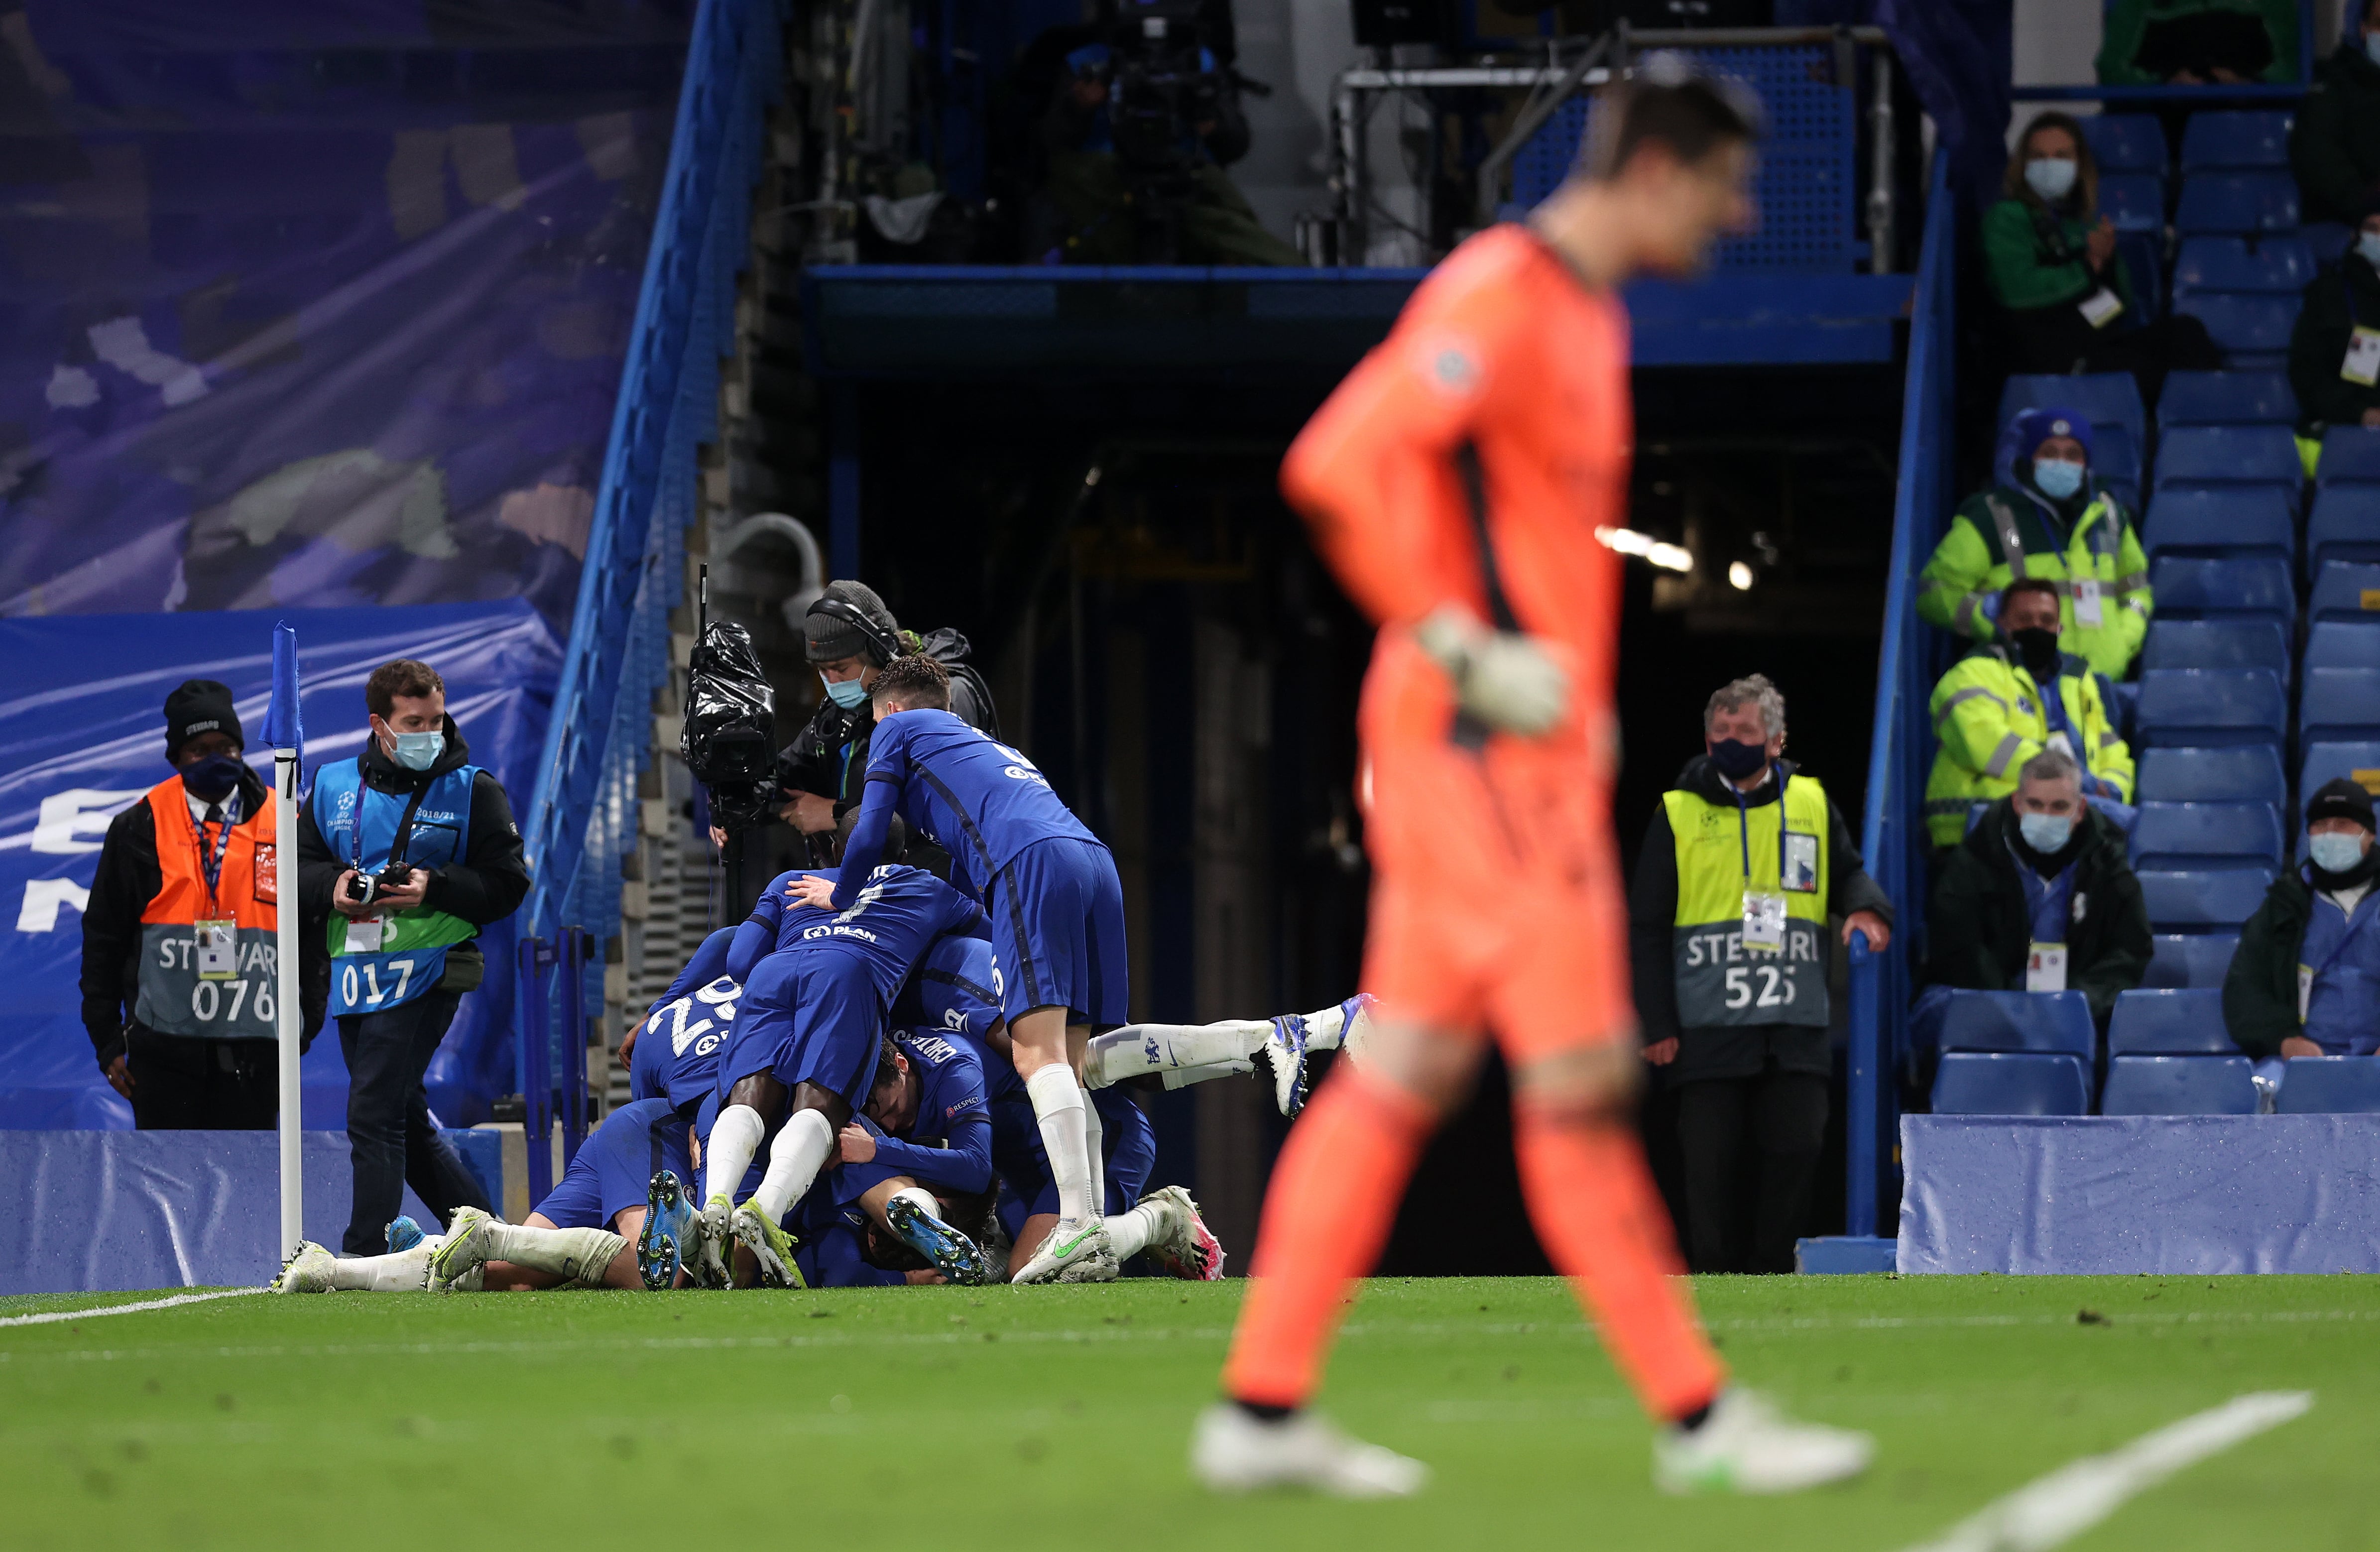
(2002, 704)
(2335, 145)
(2335, 348)
(2041, 897)
(2050, 258)
(2051, 520)
(2199, 42)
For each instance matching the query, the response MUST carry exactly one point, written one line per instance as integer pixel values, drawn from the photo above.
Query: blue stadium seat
(2169, 1024)
(2252, 328)
(2359, 761)
(2116, 459)
(2244, 773)
(2143, 259)
(2221, 455)
(2196, 960)
(2218, 519)
(2126, 142)
(2344, 523)
(2278, 264)
(2209, 707)
(2135, 202)
(2102, 398)
(2224, 398)
(2189, 587)
(2236, 138)
(2344, 590)
(2348, 452)
(2019, 1021)
(2178, 1086)
(2196, 902)
(2183, 836)
(2339, 705)
(2330, 1086)
(2021, 1083)
(2327, 240)
(2342, 644)
(2244, 202)
(2240, 643)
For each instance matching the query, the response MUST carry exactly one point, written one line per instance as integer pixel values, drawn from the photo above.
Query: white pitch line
(2053, 1509)
(49, 1316)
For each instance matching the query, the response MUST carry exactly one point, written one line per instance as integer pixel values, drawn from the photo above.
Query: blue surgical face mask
(2052, 178)
(418, 751)
(2056, 478)
(2335, 853)
(849, 694)
(2045, 834)
(2367, 246)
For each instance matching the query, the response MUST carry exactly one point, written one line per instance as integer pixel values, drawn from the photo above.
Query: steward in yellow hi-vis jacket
(1991, 715)
(2054, 521)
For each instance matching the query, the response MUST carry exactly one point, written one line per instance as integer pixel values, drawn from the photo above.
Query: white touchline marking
(2050, 1511)
(48, 1316)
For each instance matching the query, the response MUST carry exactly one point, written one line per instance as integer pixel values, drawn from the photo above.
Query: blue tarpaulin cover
(308, 303)
(2179, 1194)
(82, 736)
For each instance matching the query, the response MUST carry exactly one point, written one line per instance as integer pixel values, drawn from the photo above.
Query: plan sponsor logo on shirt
(838, 931)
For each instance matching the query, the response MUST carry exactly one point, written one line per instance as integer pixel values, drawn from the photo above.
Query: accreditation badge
(2362, 365)
(218, 951)
(2087, 611)
(364, 936)
(2045, 968)
(1798, 871)
(1764, 922)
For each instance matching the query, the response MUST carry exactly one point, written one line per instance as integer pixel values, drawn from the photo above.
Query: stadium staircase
(2259, 681)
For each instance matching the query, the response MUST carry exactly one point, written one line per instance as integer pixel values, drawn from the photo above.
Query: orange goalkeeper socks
(1335, 1190)
(1604, 1228)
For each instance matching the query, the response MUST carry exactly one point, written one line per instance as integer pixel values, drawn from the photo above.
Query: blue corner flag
(283, 729)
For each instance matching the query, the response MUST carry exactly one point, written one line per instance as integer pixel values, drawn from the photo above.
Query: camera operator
(1137, 136)
(409, 848)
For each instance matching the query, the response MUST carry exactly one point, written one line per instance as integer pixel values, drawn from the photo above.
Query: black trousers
(189, 1084)
(389, 1138)
(1780, 1117)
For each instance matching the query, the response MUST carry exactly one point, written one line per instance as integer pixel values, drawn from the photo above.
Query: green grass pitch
(1045, 1418)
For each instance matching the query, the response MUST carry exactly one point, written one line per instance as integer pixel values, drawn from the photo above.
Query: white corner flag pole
(288, 736)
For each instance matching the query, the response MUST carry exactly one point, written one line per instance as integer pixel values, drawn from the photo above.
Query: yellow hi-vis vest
(1722, 852)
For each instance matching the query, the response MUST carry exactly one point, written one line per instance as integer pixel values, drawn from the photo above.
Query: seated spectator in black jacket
(2305, 980)
(2335, 145)
(2040, 897)
(2199, 42)
(2335, 350)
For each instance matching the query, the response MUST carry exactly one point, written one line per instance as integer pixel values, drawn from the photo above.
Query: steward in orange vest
(179, 959)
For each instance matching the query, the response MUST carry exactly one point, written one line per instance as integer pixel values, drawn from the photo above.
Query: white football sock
(385, 1274)
(795, 1160)
(1094, 1155)
(1323, 1029)
(734, 1138)
(919, 1197)
(1058, 1106)
(1136, 1049)
(579, 1255)
(1181, 1077)
(1130, 1232)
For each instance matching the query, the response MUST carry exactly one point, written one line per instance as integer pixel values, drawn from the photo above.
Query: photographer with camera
(1137, 136)
(409, 850)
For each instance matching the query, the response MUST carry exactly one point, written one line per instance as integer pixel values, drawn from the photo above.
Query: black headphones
(887, 646)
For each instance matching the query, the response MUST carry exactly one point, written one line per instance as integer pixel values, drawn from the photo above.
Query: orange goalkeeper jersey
(1500, 402)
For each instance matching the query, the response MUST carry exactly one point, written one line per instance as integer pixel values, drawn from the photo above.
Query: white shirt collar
(199, 806)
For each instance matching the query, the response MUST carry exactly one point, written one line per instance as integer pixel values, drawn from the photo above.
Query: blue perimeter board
(902, 321)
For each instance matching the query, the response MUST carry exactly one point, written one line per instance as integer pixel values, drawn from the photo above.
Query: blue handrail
(1893, 837)
(581, 821)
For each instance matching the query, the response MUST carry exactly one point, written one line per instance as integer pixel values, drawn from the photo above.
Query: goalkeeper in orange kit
(1455, 481)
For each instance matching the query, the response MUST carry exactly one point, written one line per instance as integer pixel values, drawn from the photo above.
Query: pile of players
(880, 1077)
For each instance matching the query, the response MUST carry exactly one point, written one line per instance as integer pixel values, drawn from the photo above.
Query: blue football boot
(669, 1224)
(1285, 1053)
(950, 1252)
(403, 1235)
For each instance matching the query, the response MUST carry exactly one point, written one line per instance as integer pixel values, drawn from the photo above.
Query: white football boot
(1747, 1446)
(308, 1271)
(1235, 1451)
(453, 1264)
(1074, 1251)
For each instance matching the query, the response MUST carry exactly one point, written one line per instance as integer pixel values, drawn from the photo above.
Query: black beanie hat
(829, 634)
(2339, 799)
(200, 706)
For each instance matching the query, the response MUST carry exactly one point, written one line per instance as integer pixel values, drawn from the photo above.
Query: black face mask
(211, 779)
(1737, 760)
(2038, 648)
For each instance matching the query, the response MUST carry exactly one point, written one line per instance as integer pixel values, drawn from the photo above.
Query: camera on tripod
(1162, 90)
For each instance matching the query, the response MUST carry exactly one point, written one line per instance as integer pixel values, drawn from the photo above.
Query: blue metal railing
(1894, 838)
(582, 820)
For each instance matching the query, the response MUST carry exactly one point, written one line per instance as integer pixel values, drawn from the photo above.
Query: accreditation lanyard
(218, 937)
(2308, 975)
(1764, 912)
